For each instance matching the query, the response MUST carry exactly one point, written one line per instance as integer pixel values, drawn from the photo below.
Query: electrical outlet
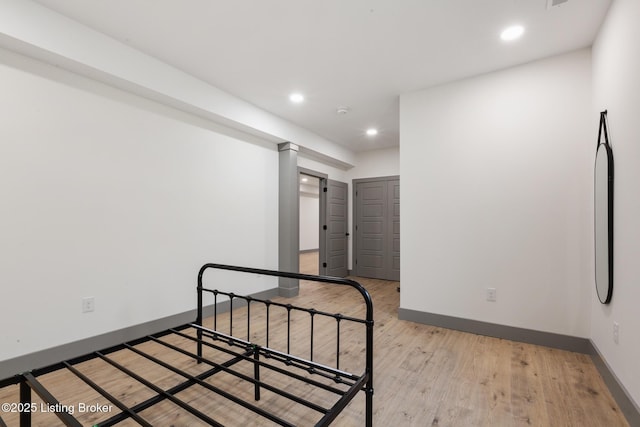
(616, 332)
(88, 304)
(491, 294)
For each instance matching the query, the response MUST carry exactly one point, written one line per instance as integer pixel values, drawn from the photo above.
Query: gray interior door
(336, 232)
(377, 228)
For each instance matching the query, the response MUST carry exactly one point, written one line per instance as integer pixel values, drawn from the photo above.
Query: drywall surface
(374, 163)
(109, 195)
(309, 221)
(616, 86)
(496, 184)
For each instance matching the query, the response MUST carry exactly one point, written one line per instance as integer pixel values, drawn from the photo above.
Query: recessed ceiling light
(296, 98)
(512, 33)
(372, 132)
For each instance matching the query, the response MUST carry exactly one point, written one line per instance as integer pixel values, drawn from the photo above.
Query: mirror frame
(604, 149)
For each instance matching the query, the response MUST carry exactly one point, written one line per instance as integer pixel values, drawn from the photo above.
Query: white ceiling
(360, 54)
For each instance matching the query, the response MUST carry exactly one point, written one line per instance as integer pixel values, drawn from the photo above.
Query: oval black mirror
(603, 212)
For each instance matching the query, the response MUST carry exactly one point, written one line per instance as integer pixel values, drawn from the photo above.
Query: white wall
(616, 83)
(310, 217)
(367, 164)
(496, 184)
(108, 195)
(375, 163)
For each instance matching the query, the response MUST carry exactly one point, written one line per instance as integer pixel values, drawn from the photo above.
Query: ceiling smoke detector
(341, 111)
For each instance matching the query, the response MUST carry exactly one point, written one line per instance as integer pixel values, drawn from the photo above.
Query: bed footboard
(362, 381)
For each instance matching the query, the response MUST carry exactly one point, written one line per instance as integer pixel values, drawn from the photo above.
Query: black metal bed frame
(238, 350)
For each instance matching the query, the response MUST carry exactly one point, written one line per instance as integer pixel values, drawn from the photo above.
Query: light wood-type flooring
(429, 376)
(423, 376)
(309, 262)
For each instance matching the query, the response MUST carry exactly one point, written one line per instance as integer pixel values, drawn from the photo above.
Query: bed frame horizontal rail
(285, 358)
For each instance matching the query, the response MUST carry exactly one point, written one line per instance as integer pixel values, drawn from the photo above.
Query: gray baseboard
(71, 350)
(289, 292)
(307, 251)
(530, 336)
(628, 407)
(548, 339)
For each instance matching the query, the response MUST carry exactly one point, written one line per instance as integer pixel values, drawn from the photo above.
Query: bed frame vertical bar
(231, 296)
(25, 398)
(288, 328)
(338, 341)
(369, 363)
(312, 312)
(248, 318)
(215, 310)
(199, 315)
(268, 303)
(256, 371)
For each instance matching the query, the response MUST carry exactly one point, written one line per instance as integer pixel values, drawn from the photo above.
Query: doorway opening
(309, 223)
(322, 205)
